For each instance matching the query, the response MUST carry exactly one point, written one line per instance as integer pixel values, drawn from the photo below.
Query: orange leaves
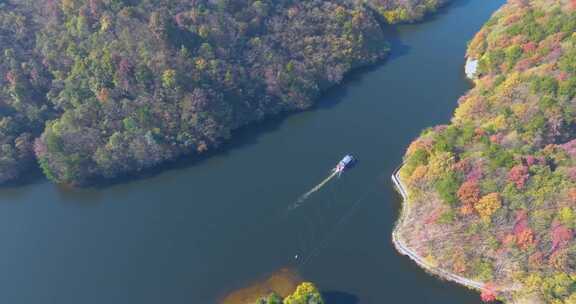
(488, 204)
(509, 240)
(521, 235)
(466, 209)
(469, 192)
(417, 145)
(525, 238)
(418, 175)
(572, 195)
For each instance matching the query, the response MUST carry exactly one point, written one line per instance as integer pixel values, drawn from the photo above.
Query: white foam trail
(316, 188)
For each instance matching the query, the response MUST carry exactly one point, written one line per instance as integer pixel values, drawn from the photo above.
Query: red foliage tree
(469, 192)
(11, 78)
(529, 47)
(562, 76)
(525, 238)
(561, 235)
(525, 64)
(509, 240)
(497, 138)
(462, 166)
(519, 175)
(488, 293)
(521, 222)
(572, 195)
(530, 160)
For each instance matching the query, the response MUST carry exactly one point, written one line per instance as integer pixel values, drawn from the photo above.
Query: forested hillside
(493, 194)
(100, 88)
(24, 82)
(146, 83)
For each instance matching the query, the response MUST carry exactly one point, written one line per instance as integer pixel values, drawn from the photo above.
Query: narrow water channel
(189, 234)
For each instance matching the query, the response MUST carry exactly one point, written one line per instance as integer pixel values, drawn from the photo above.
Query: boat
(344, 164)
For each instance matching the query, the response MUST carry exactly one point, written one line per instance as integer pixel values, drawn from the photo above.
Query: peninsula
(490, 199)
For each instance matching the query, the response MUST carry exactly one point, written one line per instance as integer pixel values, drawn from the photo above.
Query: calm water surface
(190, 235)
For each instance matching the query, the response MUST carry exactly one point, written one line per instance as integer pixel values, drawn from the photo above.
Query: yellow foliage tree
(305, 293)
(465, 110)
(488, 204)
(169, 78)
(396, 15)
(105, 23)
(571, 299)
(418, 175)
(532, 282)
(440, 163)
(508, 86)
(498, 123)
(415, 146)
(567, 216)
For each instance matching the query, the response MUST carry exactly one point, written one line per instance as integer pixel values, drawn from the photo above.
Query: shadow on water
(32, 176)
(240, 138)
(78, 196)
(443, 10)
(339, 297)
(455, 4)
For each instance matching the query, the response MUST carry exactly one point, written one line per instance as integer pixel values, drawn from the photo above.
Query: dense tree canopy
(504, 170)
(99, 88)
(24, 82)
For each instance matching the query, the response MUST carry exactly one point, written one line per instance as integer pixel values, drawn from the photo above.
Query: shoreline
(420, 261)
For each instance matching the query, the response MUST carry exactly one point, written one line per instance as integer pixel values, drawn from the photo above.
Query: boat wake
(305, 196)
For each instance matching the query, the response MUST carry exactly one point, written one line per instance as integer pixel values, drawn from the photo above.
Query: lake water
(194, 231)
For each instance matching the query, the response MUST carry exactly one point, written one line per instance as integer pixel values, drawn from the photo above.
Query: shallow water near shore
(195, 233)
(282, 282)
